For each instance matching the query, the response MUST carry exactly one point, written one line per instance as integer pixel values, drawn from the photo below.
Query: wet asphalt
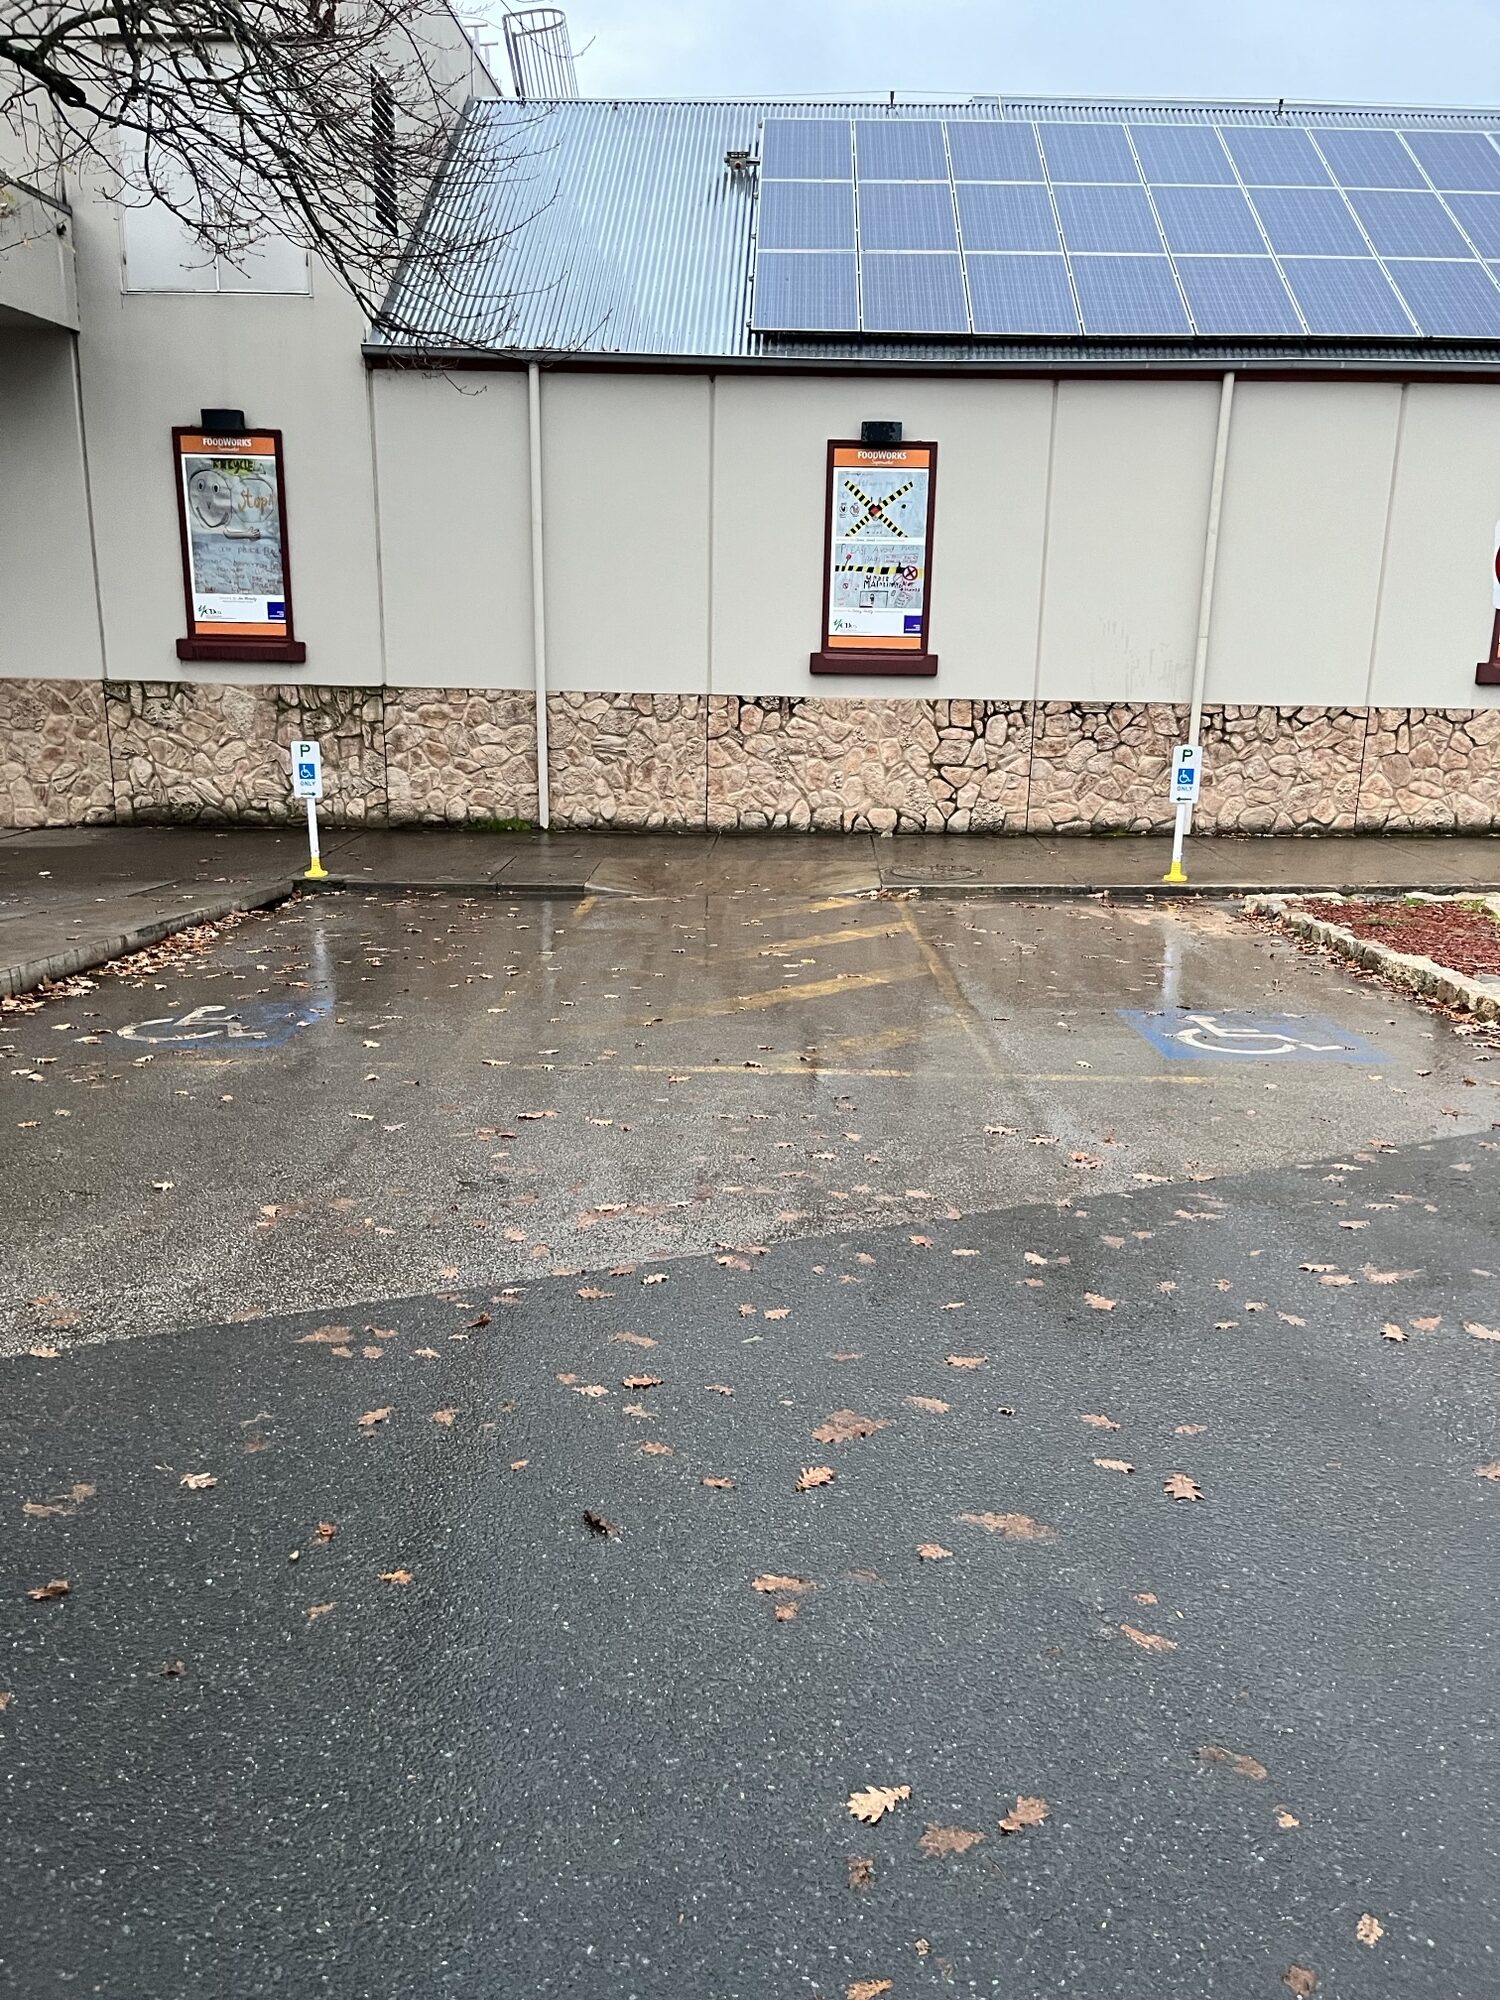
(465, 1743)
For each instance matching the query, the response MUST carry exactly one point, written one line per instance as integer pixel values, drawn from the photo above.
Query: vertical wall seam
(1380, 582)
(80, 419)
(1041, 600)
(708, 635)
(385, 755)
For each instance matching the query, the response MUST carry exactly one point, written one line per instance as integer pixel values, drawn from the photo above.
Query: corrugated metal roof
(611, 227)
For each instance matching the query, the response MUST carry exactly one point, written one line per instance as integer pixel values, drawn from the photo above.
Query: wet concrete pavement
(811, 1153)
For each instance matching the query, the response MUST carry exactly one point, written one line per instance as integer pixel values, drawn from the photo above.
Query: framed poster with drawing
(236, 562)
(877, 560)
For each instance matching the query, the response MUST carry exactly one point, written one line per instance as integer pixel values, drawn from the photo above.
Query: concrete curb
(87, 953)
(1421, 975)
(1151, 892)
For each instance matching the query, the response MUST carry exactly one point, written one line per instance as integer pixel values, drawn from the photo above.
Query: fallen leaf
(1369, 1930)
(58, 1587)
(654, 1448)
(395, 1576)
(326, 1336)
(773, 1585)
(634, 1339)
(1188, 1430)
(1428, 1325)
(599, 1524)
(1146, 1597)
(1481, 1332)
(654, 1278)
(814, 1475)
(1114, 1465)
(6, 1698)
(934, 1404)
(1390, 1331)
(867, 1989)
(444, 1417)
(1149, 1642)
(966, 1360)
(1099, 1303)
(778, 1312)
(317, 1611)
(640, 1381)
(1014, 1527)
(861, 1871)
(1386, 1277)
(1247, 1767)
(1179, 1487)
(719, 1485)
(846, 1425)
(875, 1801)
(933, 1552)
(590, 1389)
(1301, 1978)
(326, 1531)
(1292, 1319)
(66, 1503)
(785, 1613)
(1025, 1812)
(1287, 1820)
(373, 1417)
(198, 1482)
(1100, 1423)
(44, 1353)
(938, 1840)
(592, 1291)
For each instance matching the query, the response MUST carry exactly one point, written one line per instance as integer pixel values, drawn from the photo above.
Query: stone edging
(1421, 975)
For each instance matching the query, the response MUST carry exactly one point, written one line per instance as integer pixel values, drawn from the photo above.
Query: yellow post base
(316, 872)
(1176, 873)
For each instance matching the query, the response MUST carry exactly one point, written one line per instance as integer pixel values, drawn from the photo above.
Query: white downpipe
(538, 590)
(1205, 612)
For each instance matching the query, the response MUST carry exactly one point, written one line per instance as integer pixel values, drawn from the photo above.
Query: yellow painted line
(816, 1068)
(948, 986)
(780, 996)
(781, 949)
(582, 909)
(832, 903)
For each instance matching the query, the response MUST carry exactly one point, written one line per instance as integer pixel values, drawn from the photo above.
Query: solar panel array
(931, 227)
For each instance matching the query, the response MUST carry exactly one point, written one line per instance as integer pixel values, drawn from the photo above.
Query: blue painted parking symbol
(1185, 1034)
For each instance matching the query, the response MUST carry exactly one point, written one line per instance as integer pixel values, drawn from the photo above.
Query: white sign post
(1186, 783)
(307, 783)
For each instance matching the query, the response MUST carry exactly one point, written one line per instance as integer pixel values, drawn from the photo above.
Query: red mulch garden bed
(1463, 940)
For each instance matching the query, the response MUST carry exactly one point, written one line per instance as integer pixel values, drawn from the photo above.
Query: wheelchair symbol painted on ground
(1185, 1035)
(267, 1024)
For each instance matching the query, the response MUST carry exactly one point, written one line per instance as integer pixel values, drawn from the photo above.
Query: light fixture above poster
(236, 563)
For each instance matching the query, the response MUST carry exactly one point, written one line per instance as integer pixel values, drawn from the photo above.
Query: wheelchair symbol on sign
(1207, 1032)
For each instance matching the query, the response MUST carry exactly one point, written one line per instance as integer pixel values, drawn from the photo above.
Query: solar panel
(1348, 295)
(1408, 225)
(901, 150)
(1479, 216)
(909, 215)
(1021, 295)
(805, 292)
(1460, 160)
(807, 215)
(1309, 222)
(1460, 300)
(815, 149)
(913, 294)
(1196, 219)
(1107, 218)
(1006, 218)
(1238, 295)
(1368, 159)
(1088, 153)
(1275, 156)
(1128, 295)
(996, 152)
(1182, 155)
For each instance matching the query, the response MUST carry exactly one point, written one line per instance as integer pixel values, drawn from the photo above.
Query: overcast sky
(1414, 52)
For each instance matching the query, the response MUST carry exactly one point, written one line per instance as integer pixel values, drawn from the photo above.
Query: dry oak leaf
(815, 1475)
(593, 1292)
(373, 1417)
(1014, 1527)
(843, 1426)
(1025, 1812)
(933, 1552)
(1490, 1471)
(1149, 1642)
(1286, 1820)
(1481, 1332)
(198, 1482)
(444, 1417)
(933, 1404)
(590, 1389)
(7, 1697)
(965, 1360)
(1188, 1430)
(58, 1587)
(1429, 1324)
(948, 1840)
(1245, 1767)
(1302, 1980)
(634, 1339)
(786, 1612)
(1390, 1331)
(778, 1312)
(315, 1611)
(772, 1585)
(640, 1381)
(325, 1336)
(395, 1576)
(1369, 1930)
(66, 1504)
(599, 1523)
(867, 1989)
(1099, 1303)
(1178, 1486)
(719, 1485)
(653, 1448)
(875, 1801)
(1100, 1423)
(861, 1871)
(1114, 1465)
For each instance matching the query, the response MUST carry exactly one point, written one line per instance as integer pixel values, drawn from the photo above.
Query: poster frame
(914, 663)
(204, 644)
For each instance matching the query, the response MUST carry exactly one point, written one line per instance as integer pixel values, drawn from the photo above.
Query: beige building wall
(49, 617)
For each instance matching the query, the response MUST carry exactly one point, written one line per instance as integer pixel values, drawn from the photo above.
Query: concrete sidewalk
(73, 897)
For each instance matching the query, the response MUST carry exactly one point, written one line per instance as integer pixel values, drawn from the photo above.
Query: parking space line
(781, 996)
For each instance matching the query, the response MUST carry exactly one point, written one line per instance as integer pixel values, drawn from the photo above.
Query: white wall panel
(1306, 488)
(49, 619)
(1131, 470)
(625, 490)
(770, 455)
(1436, 605)
(455, 528)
